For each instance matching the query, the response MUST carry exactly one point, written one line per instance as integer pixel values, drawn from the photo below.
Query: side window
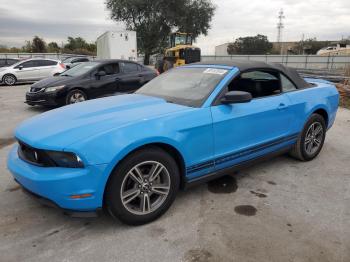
(50, 62)
(110, 69)
(258, 83)
(46, 63)
(40, 63)
(27, 64)
(130, 67)
(79, 60)
(287, 85)
(2, 62)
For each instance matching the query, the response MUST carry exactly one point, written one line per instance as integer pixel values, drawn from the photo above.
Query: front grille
(34, 156)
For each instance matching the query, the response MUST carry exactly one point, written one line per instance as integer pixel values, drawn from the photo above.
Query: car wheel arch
(322, 112)
(170, 149)
(9, 74)
(80, 89)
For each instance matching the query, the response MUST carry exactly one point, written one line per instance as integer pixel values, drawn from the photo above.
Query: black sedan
(90, 80)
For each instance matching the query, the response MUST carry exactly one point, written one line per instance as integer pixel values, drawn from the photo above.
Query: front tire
(311, 139)
(143, 186)
(9, 80)
(75, 96)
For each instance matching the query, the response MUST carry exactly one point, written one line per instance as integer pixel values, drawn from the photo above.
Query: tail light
(62, 65)
(157, 72)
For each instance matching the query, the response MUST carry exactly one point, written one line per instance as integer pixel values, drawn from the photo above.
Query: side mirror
(20, 67)
(67, 66)
(236, 97)
(99, 74)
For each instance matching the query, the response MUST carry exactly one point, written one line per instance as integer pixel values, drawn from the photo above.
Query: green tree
(78, 45)
(53, 47)
(250, 45)
(153, 20)
(27, 47)
(38, 45)
(309, 46)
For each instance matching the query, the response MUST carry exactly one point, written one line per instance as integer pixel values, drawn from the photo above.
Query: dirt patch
(198, 255)
(258, 194)
(246, 210)
(156, 231)
(12, 189)
(6, 141)
(52, 233)
(271, 183)
(223, 185)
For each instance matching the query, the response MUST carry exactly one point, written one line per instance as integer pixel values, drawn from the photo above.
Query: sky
(55, 20)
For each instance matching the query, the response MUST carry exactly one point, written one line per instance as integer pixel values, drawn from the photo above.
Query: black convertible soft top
(243, 65)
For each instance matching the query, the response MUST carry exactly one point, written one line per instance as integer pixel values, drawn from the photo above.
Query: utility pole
(280, 27)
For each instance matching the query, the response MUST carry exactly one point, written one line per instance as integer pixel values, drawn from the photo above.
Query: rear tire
(9, 79)
(311, 139)
(136, 197)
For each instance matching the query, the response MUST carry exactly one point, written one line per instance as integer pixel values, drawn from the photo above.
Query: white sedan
(30, 70)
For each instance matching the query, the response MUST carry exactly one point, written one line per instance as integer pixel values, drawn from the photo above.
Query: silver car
(30, 70)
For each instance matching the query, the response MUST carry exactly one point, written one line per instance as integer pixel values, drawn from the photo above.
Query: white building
(221, 50)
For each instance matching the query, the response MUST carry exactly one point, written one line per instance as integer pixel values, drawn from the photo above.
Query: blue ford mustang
(131, 153)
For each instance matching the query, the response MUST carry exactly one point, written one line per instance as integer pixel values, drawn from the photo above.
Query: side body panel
(306, 101)
(242, 130)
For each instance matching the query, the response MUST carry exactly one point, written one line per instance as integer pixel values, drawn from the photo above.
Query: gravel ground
(280, 210)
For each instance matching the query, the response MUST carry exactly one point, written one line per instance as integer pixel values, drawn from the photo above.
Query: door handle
(139, 75)
(282, 106)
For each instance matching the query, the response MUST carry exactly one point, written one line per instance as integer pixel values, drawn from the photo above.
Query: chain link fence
(58, 56)
(334, 68)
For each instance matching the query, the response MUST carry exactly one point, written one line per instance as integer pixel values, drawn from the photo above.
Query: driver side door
(27, 71)
(244, 131)
(107, 84)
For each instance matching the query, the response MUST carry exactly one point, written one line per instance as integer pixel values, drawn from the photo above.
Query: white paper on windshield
(215, 71)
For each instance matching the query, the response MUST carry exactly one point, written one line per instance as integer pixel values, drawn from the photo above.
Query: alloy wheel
(313, 138)
(145, 187)
(9, 80)
(76, 97)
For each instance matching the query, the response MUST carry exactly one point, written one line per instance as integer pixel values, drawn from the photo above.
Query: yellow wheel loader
(181, 52)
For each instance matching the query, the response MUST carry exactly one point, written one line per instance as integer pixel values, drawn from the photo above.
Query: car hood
(5, 68)
(59, 128)
(53, 81)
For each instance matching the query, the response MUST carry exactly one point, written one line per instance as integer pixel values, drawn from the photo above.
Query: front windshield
(186, 86)
(80, 69)
(180, 39)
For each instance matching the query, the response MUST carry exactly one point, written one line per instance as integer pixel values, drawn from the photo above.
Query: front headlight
(54, 88)
(65, 159)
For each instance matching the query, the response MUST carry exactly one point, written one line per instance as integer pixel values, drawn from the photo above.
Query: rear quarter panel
(306, 101)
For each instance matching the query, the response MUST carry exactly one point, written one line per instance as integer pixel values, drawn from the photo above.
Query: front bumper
(42, 98)
(55, 186)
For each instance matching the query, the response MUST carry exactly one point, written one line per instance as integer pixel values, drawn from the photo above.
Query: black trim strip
(238, 166)
(242, 153)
